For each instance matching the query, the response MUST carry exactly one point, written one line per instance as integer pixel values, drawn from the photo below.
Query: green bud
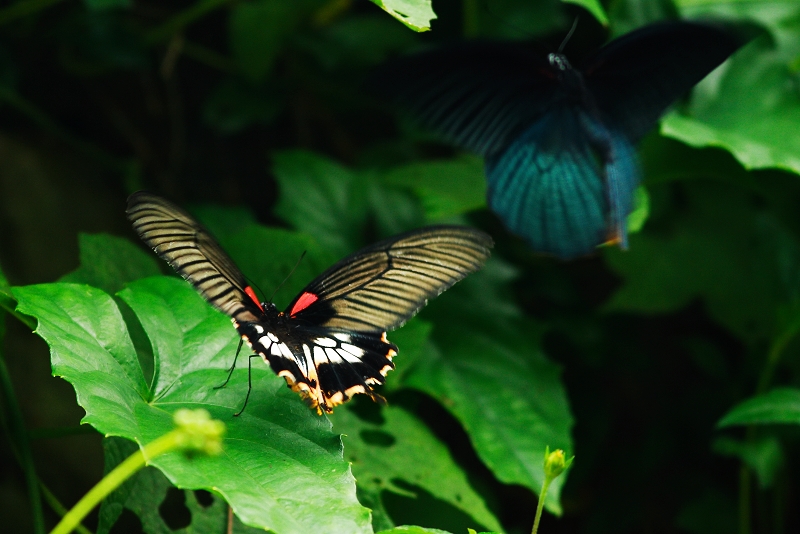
(196, 431)
(555, 463)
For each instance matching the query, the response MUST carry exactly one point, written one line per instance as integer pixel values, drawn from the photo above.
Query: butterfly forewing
(382, 286)
(189, 249)
(331, 342)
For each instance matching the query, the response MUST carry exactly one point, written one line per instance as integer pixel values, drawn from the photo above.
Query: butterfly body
(558, 141)
(330, 343)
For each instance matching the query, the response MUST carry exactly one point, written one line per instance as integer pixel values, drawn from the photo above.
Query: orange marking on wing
(252, 294)
(305, 300)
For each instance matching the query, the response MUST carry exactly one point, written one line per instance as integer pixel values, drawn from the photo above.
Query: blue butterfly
(558, 142)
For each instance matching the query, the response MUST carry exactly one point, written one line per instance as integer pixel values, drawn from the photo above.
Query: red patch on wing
(252, 294)
(305, 300)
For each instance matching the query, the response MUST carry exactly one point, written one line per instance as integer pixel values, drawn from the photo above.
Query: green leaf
(446, 187)
(109, 262)
(592, 6)
(416, 14)
(763, 455)
(321, 198)
(779, 406)
(749, 106)
(258, 30)
(402, 447)
(718, 244)
(282, 467)
(488, 370)
(145, 492)
(641, 210)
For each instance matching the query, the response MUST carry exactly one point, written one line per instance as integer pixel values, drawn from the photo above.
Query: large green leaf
(281, 468)
(145, 493)
(109, 262)
(486, 367)
(322, 198)
(764, 455)
(779, 406)
(446, 187)
(749, 106)
(717, 244)
(401, 447)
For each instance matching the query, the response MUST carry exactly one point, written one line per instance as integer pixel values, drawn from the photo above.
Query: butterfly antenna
(569, 35)
(296, 265)
(504, 21)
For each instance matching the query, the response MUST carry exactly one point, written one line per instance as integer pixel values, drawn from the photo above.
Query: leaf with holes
(403, 448)
(488, 370)
(282, 467)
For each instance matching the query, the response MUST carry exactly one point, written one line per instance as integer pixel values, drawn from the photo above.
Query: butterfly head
(559, 62)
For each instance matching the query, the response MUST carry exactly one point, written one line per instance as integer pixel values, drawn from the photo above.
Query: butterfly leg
(249, 382)
(230, 371)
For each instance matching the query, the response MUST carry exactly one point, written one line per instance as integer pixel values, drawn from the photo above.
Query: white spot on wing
(347, 356)
(325, 342)
(342, 337)
(352, 349)
(319, 356)
(273, 337)
(333, 356)
(285, 351)
(265, 341)
(259, 329)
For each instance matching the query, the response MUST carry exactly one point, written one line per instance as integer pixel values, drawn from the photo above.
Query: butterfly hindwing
(567, 185)
(330, 343)
(549, 186)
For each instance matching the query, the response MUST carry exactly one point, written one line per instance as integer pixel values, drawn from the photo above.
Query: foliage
(669, 370)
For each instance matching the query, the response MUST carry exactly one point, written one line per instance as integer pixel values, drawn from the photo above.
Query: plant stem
(745, 475)
(58, 508)
(775, 353)
(21, 445)
(182, 19)
(114, 479)
(540, 505)
(744, 499)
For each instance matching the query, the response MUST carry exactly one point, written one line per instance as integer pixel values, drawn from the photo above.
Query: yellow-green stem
(112, 481)
(59, 508)
(540, 506)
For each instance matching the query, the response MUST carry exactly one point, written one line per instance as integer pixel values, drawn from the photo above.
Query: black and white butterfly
(330, 343)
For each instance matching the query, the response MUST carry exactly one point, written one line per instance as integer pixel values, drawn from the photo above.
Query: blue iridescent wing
(636, 77)
(479, 96)
(565, 184)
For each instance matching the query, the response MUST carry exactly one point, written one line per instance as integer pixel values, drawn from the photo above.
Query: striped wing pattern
(381, 286)
(331, 342)
(187, 246)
